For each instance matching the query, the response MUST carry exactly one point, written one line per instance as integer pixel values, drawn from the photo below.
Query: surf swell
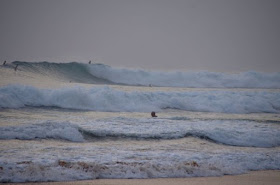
(74, 72)
(109, 99)
(103, 74)
(222, 132)
(47, 130)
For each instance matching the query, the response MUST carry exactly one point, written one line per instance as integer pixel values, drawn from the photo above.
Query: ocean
(77, 121)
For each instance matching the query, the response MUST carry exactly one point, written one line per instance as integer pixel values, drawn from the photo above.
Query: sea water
(74, 121)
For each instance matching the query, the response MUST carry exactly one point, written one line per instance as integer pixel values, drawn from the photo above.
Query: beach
(255, 177)
(127, 92)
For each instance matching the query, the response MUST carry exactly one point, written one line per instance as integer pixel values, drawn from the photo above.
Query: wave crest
(48, 130)
(109, 99)
(104, 74)
(222, 132)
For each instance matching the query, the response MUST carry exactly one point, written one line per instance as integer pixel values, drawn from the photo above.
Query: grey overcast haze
(213, 35)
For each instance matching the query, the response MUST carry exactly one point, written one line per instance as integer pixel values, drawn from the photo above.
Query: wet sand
(253, 178)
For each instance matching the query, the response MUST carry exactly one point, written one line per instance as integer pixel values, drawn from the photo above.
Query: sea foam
(250, 79)
(226, 132)
(47, 130)
(119, 164)
(110, 99)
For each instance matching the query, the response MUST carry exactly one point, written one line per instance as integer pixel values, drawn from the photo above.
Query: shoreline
(268, 177)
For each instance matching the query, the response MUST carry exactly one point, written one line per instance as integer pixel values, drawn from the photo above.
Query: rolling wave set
(78, 121)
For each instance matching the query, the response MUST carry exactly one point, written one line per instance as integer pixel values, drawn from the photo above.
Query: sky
(212, 35)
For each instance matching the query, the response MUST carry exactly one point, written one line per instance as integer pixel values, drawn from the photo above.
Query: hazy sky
(215, 35)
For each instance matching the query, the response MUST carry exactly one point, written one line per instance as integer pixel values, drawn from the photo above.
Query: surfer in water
(153, 114)
(16, 67)
(89, 62)
(4, 63)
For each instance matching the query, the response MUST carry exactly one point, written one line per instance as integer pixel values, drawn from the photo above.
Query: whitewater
(77, 121)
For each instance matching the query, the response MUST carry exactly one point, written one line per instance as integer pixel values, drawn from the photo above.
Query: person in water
(4, 63)
(89, 62)
(153, 114)
(16, 67)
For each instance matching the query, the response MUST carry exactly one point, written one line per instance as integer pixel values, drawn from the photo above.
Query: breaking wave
(48, 130)
(110, 99)
(104, 74)
(233, 133)
(74, 72)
